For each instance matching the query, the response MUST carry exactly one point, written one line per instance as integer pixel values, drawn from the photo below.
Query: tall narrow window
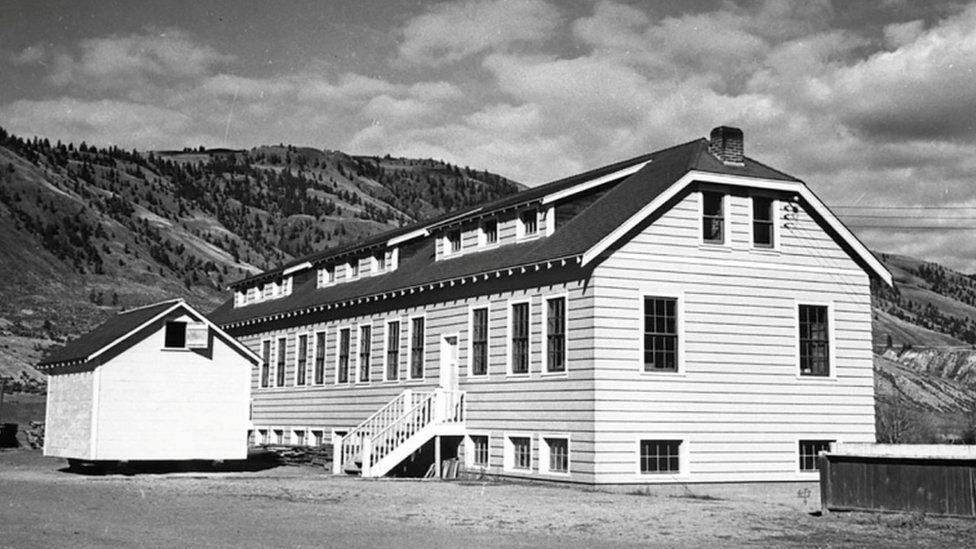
(713, 217)
(490, 229)
(556, 334)
(762, 222)
(379, 261)
(342, 369)
(660, 334)
(809, 452)
(365, 348)
(660, 456)
(353, 268)
(454, 241)
(520, 338)
(280, 370)
(302, 366)
(479, 449)
(417, 349)
(479, 341)
(393, 350)
(330, 274)
(319, 358)
(529, 220)
(265, 363)
(814, 341)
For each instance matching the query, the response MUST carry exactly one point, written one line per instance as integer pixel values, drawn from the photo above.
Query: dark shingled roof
(106, 333)
(574, 238)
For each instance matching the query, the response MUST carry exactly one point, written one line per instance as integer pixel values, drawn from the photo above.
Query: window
(263, 436)
(454, 241)
(479, 450)
(342, 371)
(417, 349)
(490, 230)
(302, 359)
(660, 334)
(175, 336)
(319, 358)
(809, 450)
(814, 341)
(713, 217)
(660, 456)
(318, 437)
(556, 334)
(280, 370)
(479, 341)
(269, 290)
(763, 222)
(521, 452)
(279, 436)
(352, 268)
(265, 363)
(519, 329)
(557, 458)
(365, 348)
(393, 350)
(251, 440)
(529, 222)
(326, 276)
(379, 261)
(298, 438)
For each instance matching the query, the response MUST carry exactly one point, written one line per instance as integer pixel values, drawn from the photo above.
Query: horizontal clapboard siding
(738, 402)
(497, 403)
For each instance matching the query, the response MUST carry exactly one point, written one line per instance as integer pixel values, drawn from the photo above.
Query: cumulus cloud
(451, 31)
(31, 55)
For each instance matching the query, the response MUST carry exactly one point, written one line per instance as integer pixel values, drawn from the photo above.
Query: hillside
(87, 231)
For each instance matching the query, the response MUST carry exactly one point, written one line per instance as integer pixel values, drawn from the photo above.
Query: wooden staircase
(398, 429)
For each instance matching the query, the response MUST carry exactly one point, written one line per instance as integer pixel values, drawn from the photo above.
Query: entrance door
(449, 363)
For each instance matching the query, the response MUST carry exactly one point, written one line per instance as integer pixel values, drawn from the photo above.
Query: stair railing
(387, 440)
(351, 445)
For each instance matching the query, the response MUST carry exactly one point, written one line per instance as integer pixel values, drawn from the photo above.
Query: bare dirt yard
(43, 505)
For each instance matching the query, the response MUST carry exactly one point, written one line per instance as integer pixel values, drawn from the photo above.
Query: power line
(912, 227)
(848, 207)
(900, 217)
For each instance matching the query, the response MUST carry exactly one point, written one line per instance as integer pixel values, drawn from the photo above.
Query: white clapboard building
(159, 382)
(689, 315)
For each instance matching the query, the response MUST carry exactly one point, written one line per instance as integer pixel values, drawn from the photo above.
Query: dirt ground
(43, 505)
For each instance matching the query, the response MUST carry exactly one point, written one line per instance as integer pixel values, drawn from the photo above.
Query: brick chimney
(726, 144)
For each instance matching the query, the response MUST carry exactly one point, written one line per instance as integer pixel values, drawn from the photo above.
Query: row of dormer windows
(263, 292)
(493, 232)
(379, 262)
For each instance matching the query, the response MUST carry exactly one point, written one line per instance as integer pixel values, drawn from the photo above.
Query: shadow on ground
(257, 460)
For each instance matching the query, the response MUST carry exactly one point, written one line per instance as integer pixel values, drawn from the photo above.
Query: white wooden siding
(68, 422)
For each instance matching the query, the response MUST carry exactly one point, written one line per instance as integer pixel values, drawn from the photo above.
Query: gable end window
(809, 451)
(713, 217)
(660, 334)
(175, 336)
(814, 341)
(660, 456)
(763, 222)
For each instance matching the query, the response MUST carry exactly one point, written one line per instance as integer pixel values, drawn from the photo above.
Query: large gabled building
(689, 315)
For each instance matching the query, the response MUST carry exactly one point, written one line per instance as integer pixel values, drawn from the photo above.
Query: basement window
(660, 456)
(175, 335)
(809, 451)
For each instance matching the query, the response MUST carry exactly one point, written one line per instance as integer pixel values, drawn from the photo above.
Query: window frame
(423, 353)
(469, 456)
(679, 326)
(264, 373)
(683, 453)
(798, 447)
(725, 243)
(316, 378)
(509, 452)
(545, 454)
(509, 362)
(545, 334)
(281, 362)
(453, 246)
(471, 310)
(387, 349)
(831, 342)
(360, 328)
(520, 223)
(348, 329)
(379, 262)
(301, 370)
(774, 224)
(483, 240)
(166, 328)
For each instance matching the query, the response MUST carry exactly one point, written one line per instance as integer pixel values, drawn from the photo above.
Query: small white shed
(159, 382)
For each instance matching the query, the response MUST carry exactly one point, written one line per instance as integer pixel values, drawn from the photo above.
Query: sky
(872, 103)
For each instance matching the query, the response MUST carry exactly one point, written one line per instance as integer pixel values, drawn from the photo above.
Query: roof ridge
(157, 304)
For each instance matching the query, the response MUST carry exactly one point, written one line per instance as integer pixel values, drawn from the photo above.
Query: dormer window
(326, 276)
(379, 261)
(454, 241)
(528, 222)
(240, 299)
(353, 268)
(489, 232)
(269, 290)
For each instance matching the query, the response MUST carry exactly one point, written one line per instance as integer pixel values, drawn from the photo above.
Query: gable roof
(643, 185)
(119, 328)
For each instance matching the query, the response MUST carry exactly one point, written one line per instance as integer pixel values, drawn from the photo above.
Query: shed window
(520, 338)
(365, 351)
(660, 456)
(479, 342)
(762, 222)
(342, 372)
(713, 217)
(809, 450)
(814, 341)
(280, 370)
(660, 334)
(175, 335)
(556, 334)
